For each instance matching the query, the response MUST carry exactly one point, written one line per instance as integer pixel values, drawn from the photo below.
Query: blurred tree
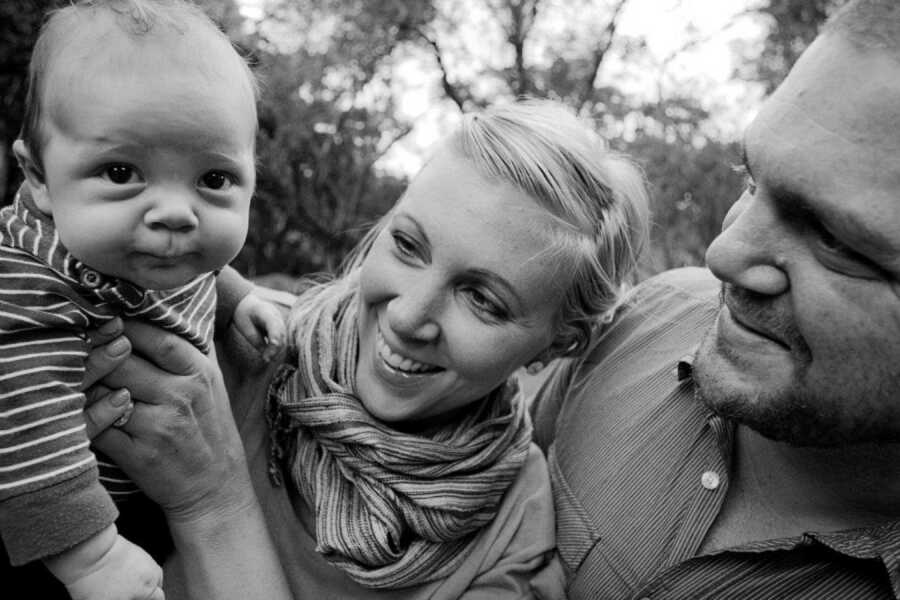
(792, 26)
(326, 116)
(20, 21)
(690, 173)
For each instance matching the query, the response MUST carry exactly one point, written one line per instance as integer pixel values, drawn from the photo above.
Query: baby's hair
(597, 198)
(135, 17)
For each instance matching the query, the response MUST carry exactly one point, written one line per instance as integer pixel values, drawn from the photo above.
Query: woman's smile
(398, 363)
(455, 294)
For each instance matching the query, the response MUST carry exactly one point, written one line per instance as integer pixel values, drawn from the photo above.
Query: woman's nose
(172, 210)
(745, 254)
(414, 315)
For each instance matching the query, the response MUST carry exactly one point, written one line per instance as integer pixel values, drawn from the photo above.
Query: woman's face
(458, 291)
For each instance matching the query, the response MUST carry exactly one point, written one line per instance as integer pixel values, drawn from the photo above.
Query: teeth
(398, 362)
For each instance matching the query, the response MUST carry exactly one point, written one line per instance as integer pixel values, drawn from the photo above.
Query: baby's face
(149, 155)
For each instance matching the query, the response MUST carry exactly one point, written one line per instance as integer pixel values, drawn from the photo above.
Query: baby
(138, 154)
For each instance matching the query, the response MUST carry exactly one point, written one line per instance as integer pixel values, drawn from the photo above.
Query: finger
(146, 382)
(251, 331)
(104, 359)
(106, 410)
(165, 349)
(106, 332)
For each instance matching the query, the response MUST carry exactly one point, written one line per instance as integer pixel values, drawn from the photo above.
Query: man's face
(806, 347)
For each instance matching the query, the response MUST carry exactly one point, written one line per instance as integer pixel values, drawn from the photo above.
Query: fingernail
(118, 346)
(110, 327)
(121, 397)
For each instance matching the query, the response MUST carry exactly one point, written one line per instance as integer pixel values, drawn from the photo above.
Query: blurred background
(354, 92)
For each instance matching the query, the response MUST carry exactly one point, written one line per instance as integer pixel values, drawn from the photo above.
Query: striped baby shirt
(641, 467)
(50, 493)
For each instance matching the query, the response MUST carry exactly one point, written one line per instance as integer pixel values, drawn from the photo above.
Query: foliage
(20, 21)
(328, 111)
(326, 116)
(792, 26)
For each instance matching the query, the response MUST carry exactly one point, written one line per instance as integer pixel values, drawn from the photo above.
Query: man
(746, 444)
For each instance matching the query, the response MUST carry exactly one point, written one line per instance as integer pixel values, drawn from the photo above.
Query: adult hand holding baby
(183, 450)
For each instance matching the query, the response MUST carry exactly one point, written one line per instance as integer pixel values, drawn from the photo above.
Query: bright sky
(666, 25)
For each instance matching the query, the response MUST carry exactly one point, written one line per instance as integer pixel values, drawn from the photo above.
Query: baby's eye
(121, 174)
(217, 180)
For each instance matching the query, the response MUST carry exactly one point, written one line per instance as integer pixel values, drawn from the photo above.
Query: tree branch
(457, 96)
(609, 34)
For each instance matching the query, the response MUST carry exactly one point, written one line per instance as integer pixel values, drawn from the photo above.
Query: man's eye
(121, 174)
(217, 180)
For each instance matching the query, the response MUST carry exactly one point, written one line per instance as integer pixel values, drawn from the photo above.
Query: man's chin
(782, 414)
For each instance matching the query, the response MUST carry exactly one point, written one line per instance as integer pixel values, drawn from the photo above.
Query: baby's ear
(34, 176)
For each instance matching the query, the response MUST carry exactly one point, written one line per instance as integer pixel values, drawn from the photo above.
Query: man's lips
(742, 321)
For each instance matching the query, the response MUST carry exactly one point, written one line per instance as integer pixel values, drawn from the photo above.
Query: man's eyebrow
(795, 203)
(846, 226)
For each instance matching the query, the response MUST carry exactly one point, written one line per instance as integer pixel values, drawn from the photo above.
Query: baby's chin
(161, 280)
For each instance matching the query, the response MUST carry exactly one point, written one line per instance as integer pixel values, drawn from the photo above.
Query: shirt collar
(684, 368)
(34, 232)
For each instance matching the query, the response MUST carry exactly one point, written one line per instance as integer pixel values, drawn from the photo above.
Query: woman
(395, 459)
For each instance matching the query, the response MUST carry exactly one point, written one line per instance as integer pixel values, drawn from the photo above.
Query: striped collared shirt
(640, 470)
(48, 299)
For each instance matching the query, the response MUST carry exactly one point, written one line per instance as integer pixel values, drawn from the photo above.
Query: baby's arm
(256, 318)
(107, 566)
(50, 496)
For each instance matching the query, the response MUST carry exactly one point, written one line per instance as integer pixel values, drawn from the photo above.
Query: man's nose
(746, 252)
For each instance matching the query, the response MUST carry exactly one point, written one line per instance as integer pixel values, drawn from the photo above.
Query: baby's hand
(262, 324)
(108, 567)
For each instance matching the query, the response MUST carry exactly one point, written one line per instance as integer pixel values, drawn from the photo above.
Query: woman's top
(512, 557)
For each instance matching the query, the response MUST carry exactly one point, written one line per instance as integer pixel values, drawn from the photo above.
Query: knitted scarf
(392, 509)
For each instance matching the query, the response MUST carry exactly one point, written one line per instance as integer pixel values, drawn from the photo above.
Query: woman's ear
(34, 176)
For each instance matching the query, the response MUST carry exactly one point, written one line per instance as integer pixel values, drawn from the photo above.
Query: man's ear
(34, 176)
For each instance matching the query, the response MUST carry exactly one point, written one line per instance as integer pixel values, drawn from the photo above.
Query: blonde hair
(135, 17)
(597, 199)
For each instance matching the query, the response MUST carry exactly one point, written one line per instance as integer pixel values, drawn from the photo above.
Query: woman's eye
(217, 180)
(483, 303)
(404, 245)
(121, 174)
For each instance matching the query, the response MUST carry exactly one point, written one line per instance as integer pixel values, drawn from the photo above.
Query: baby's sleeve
(50, 495)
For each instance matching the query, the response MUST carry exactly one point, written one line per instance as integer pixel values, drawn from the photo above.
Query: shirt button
(709, 480)
(90, 278)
